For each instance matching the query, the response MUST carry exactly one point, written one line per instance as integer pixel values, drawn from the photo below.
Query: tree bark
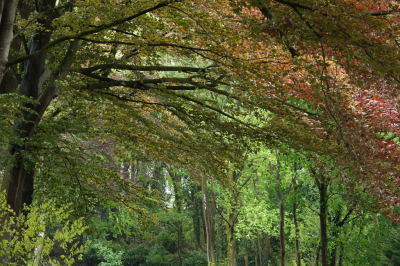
(266, 249)
(196, 215)
(297, 244)
(337, 224)
(177, 184)
(208, 221)
(281, 212)
(232, 214)
(259, 248)
(231, 238)
(340, 263)
(323, 190)
(8, 10)
(18, 181)
(317, 255)
(255, 255)
(246, 259)
(260, 253)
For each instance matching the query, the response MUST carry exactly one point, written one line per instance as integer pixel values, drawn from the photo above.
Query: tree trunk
(261, 252)
(8, 10)
(232, 214)
(208, 221)
(317, 255)
(281, 212)
(340, 263)
(196, 215)
(177, 184)
(221, 229)
(266, 249)
(337, 224)
(333, 252)
(323, 190)
(297, 244)
(246, 259)
(259, 248)
(296, 227)
(255, 255)
(18, 181)
(230, 233)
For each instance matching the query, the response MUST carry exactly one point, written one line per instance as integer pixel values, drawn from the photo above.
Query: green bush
(91, 257)
(195, 257)
(104, 253)
(158, 256)
(135, 256)
(168, 241)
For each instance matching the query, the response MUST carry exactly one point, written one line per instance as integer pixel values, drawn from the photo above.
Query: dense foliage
(199, 132)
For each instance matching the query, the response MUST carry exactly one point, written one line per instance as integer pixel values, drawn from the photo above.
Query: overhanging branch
(88, 32)
(138, 68)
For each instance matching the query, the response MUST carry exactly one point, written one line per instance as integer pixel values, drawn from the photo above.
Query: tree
(47, 75)
(347, 52)
(189, 83)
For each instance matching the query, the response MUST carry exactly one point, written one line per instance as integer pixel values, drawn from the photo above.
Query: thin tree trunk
(340, 263)
(297, 244)
(333, 252)
(259, 248)
(208, 216)
(220, 239)
(266, 249)
(232, 214)
(196, 215)
(177, 184)
(246, 259)
(203, 236)
(38, 250)
(260, 252)
(323, 189)
(255, 256)
(317, 256)
(281, 213)
(336, 228)
(230, 232)
(8, 10)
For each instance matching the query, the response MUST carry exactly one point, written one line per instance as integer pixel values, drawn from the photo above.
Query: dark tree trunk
(297, 244)
(264, 238)
(337, 224)
(260, 252)
(196, 214)
(209, 223)
(232, 214)
(230, 233)
(317, 255)
(18, 180)
(266, 249)
(246, 259)
(281, 212)
(177, 184)
(323, 190)
(7, 16)
(259, 248)
(340, 263)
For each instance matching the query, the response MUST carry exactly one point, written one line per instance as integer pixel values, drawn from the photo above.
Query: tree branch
(84, 33)
(138, 68)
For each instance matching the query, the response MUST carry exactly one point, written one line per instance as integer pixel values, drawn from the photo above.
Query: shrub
(103, 253)
(135, 256)
(168, 241)
(195, 257)
(158, 256)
